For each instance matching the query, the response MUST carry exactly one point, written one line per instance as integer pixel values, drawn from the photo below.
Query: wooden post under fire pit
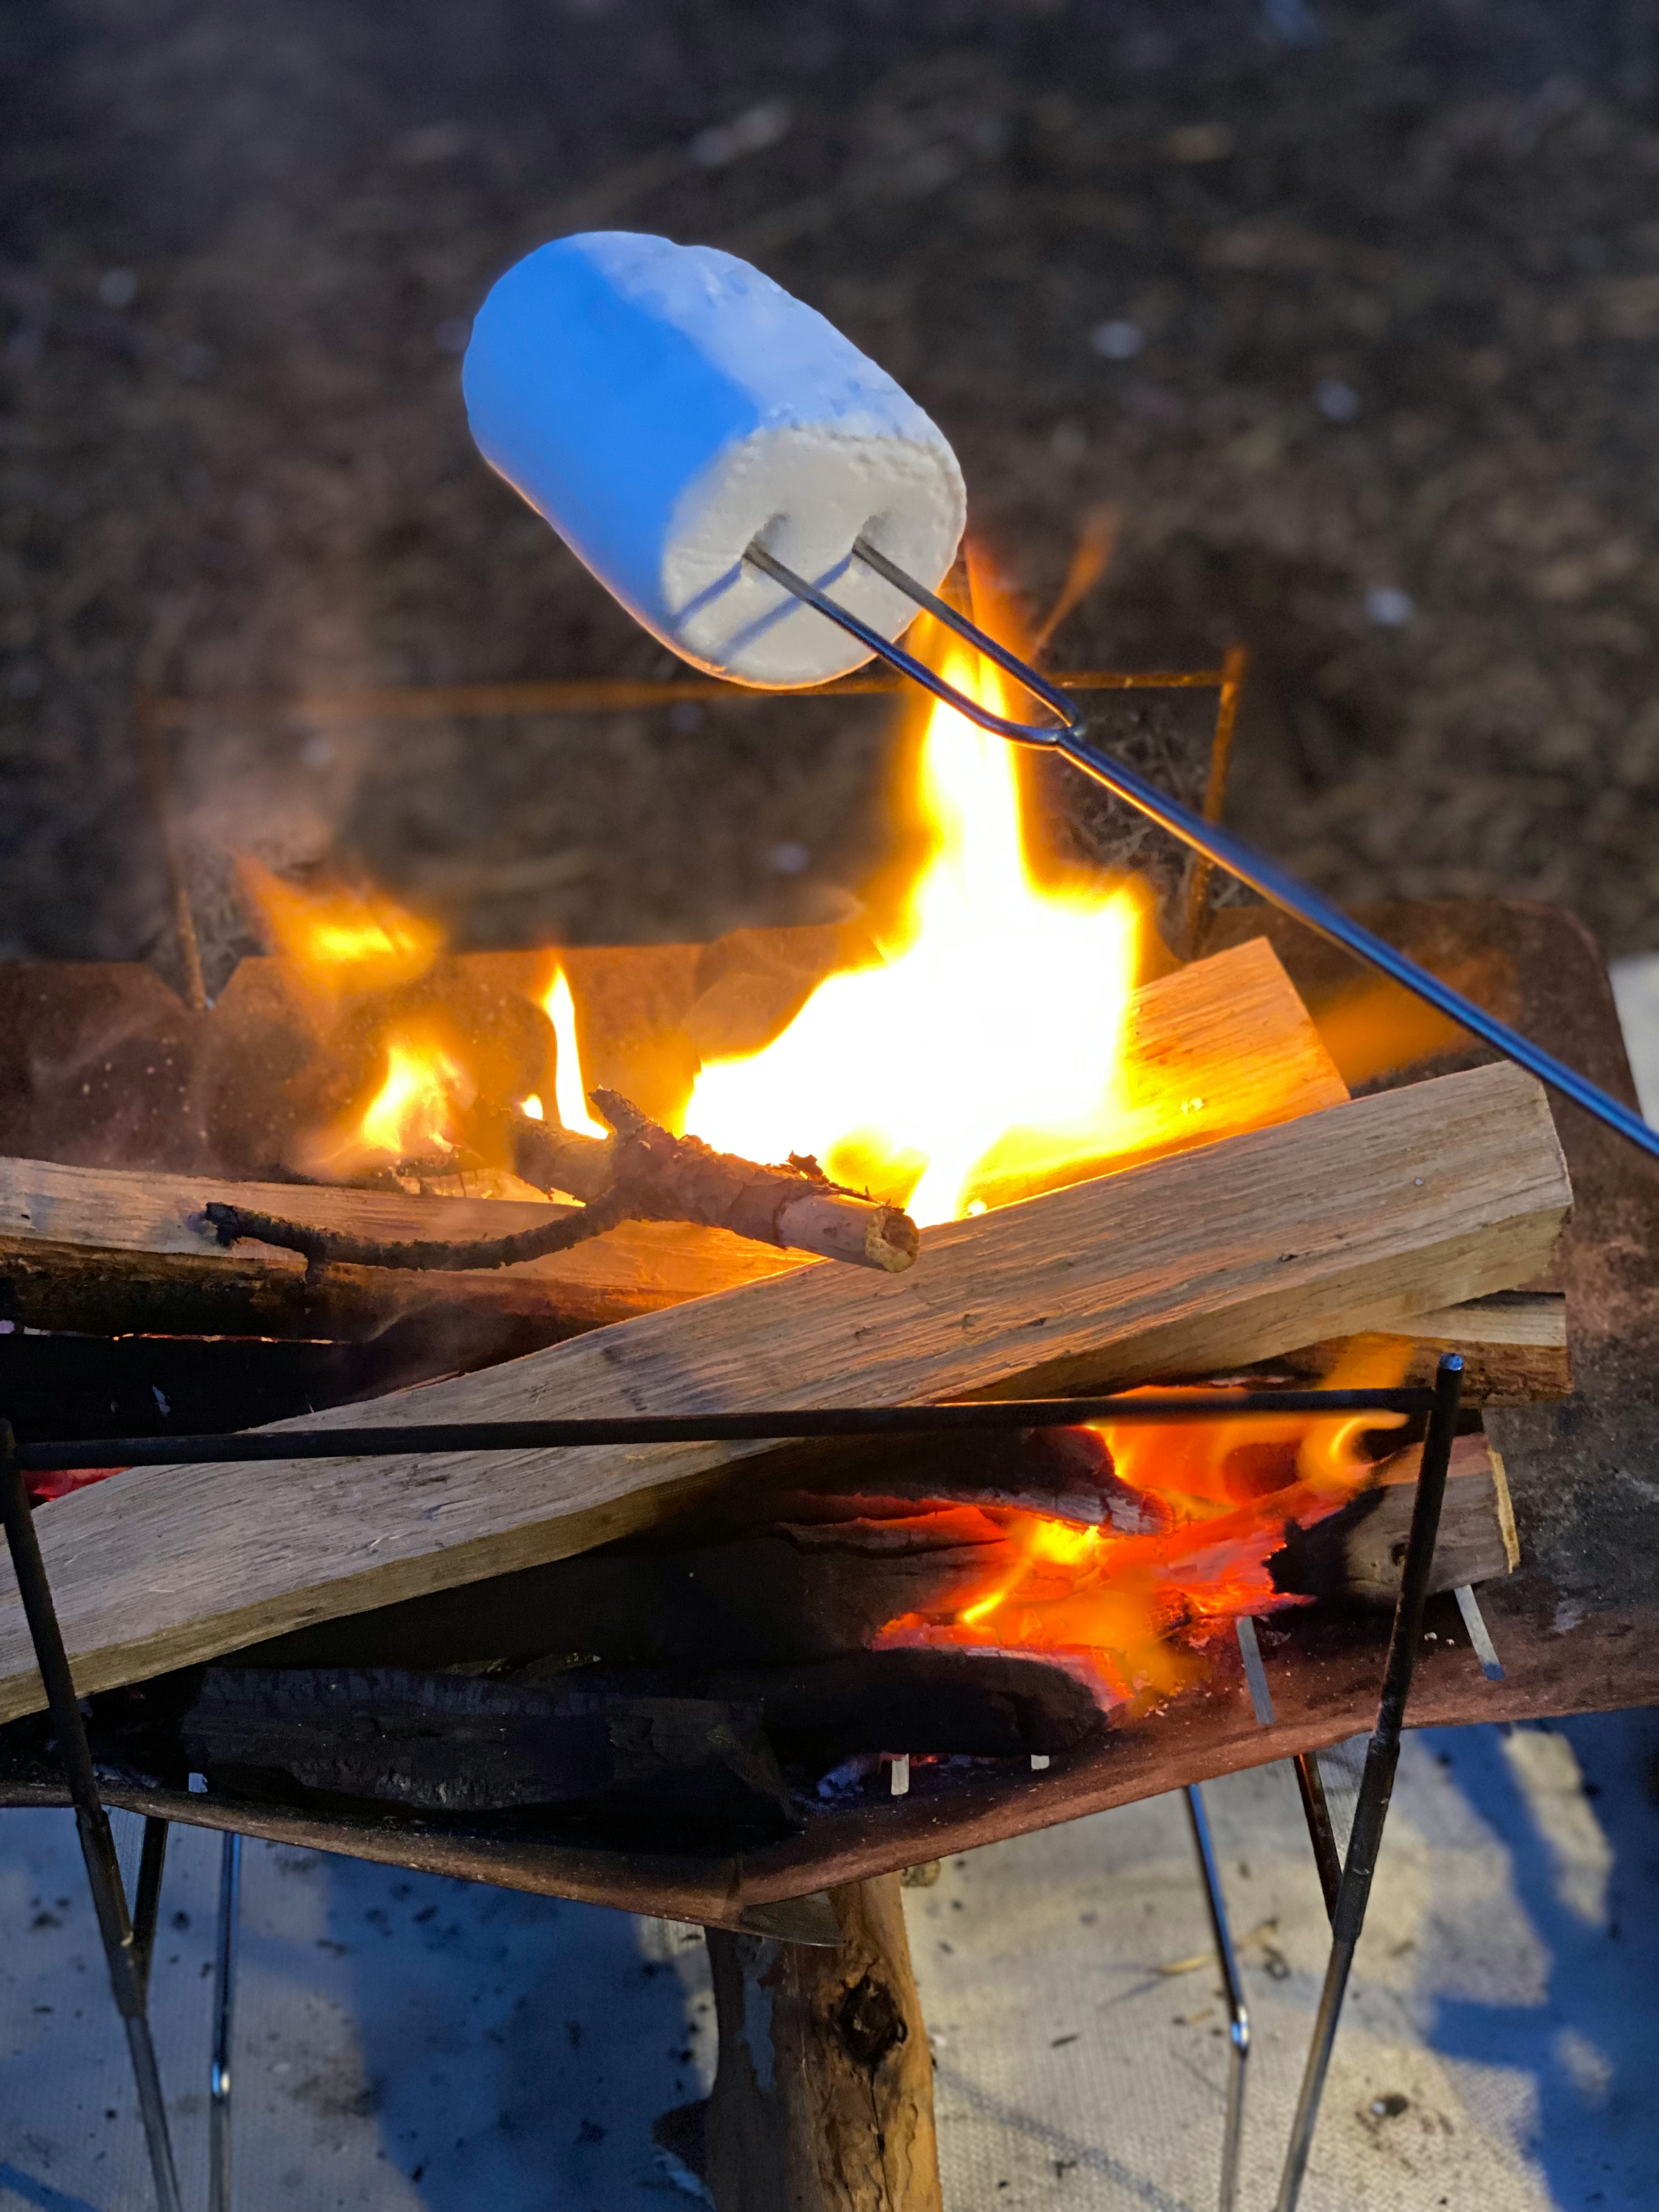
(823, 2101)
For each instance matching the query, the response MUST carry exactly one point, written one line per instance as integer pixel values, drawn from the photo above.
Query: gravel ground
(1350, 309)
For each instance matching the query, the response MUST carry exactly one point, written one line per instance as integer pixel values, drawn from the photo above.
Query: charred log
(452, 1745)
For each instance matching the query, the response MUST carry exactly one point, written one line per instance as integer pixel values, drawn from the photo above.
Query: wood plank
(1344, 1220)
(1514, 1345)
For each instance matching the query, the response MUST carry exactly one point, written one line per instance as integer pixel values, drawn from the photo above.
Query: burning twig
(640, 1173)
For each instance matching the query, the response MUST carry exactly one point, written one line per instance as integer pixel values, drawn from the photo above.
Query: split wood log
(1344, 1220)
(824, 2097)
(106, 1251)
(1514, 1345)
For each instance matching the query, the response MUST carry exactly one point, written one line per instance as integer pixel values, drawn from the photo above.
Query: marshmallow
(664, 405)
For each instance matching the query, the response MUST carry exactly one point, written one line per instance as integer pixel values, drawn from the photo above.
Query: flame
(336, 942)
(569, 1091)
(985, 1043)
(409, 1116)
(414, 1116)
(1207, 1505)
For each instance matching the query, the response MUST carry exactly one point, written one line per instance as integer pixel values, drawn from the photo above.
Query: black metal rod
(1382, 1761)
(1065, 735)
(147, 1900)
(779, 1422)
(1238, 2018)
(224, 2013)
(1310, 1785)
(97, 1843)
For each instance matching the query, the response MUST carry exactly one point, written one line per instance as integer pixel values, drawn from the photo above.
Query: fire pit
(853, 1664)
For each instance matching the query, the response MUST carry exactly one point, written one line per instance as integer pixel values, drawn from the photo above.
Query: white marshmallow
(664, 405)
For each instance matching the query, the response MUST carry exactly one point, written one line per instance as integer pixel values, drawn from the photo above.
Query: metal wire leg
(1382, 1758)
(1232, 2140)
(97, 1845)
(224, 2000)
(147, 1899)
(1320, 1834)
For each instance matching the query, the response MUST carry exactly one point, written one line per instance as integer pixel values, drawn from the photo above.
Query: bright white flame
(569, 1092)
(987, 1044)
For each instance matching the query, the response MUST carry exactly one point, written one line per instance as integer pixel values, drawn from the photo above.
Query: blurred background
(1347, 308)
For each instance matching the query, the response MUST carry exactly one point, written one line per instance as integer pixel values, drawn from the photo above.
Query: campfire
(1012, 1047)
(983, 1049)
(687, 1592)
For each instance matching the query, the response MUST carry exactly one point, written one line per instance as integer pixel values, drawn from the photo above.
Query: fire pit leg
(823, 2101)
(224, 2000)
(1382, 1757)
(1238, 2018)
(109, 1899)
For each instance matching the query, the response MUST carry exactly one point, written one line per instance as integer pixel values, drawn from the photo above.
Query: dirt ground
(1352, 310)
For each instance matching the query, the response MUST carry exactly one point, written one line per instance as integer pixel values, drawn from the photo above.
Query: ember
(1191, 1515)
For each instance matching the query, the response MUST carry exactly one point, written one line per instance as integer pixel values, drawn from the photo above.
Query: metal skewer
(1065, 736)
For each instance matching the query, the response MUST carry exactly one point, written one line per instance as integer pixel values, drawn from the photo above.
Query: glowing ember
(988, 1038)
(569, 1093)
(1196, 1513)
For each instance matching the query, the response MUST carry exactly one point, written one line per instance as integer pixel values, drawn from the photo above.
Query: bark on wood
(1344, 1220)
(643, 1174)
(823, 2099)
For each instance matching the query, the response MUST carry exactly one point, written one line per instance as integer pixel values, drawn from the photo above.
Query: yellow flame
(414, 1116)
(988, 1043)
(337, 941)
(569, 1091)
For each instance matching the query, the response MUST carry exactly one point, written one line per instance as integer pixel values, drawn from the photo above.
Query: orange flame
(414, 1116)
(570, 1091)
(1209, 1502)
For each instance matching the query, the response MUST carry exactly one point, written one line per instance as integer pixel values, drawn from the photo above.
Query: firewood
(1344, 1220)
(1514, 1345)
(701, 1748)
(1230, 1027)
(640, 1173)
(1357, 1553)
(823, 2097)
(787, 1590)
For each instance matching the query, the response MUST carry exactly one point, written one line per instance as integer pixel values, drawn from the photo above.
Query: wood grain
(1351, 1218)
(1514, 1345)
